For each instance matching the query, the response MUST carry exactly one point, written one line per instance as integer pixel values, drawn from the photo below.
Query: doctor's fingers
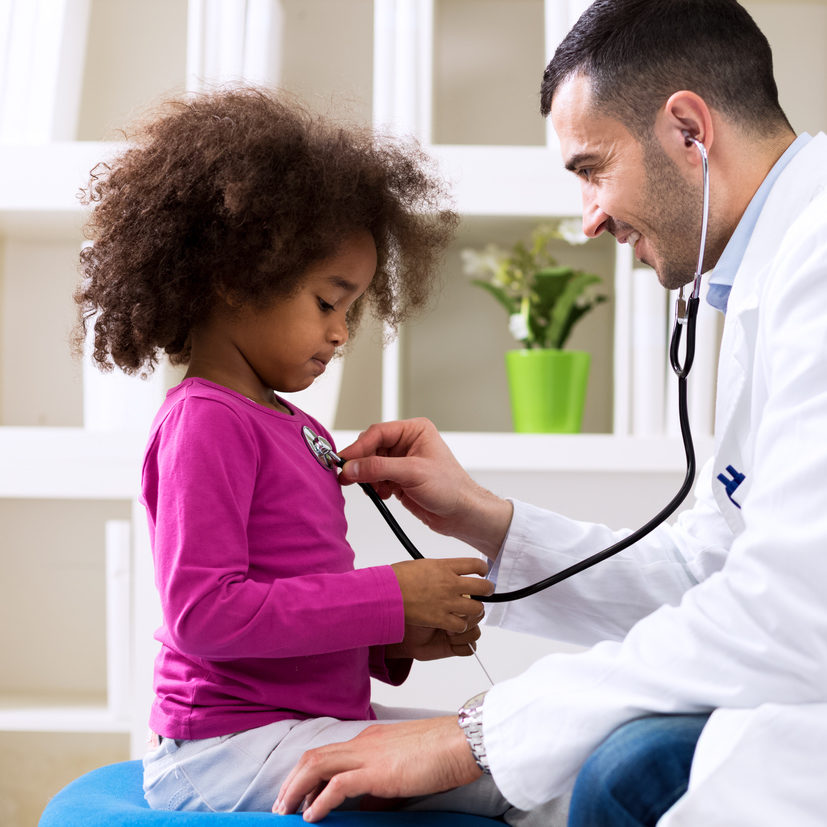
(386, 760)
(304, 785)
(324, 777)
(387, 474)
(415, 437)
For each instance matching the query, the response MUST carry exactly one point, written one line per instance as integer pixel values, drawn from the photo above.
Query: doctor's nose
(595, 221)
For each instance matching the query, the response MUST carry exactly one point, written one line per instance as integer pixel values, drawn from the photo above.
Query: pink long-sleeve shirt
(264, 615)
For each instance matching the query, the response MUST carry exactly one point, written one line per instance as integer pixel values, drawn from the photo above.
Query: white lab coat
(725, 610)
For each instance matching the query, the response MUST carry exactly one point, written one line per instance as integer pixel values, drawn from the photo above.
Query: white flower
(571, 231)
(518, 325)
(483, 262)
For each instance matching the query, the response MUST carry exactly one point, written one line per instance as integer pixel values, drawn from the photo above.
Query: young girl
(243, 237)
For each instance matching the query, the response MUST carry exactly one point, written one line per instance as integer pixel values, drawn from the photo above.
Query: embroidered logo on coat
(731, 483)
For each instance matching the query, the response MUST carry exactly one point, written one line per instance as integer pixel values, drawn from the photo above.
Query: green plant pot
(548, 390)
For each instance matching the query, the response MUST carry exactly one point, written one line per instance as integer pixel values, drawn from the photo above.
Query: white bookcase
(461, 75)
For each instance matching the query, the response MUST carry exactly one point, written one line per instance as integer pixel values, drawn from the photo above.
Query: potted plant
(544, 301)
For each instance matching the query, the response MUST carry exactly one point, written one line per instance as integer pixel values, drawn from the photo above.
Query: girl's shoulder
(200, 412)
(202, 398)
(211, 408)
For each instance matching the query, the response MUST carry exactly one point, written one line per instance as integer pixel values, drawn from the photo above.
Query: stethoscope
(686, 311)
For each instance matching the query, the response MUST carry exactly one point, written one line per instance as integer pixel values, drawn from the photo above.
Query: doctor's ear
(685, 117)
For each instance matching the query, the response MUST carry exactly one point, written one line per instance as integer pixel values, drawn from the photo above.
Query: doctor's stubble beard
(675, 207)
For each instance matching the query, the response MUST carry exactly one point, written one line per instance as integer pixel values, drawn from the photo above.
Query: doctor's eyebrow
(581, 159)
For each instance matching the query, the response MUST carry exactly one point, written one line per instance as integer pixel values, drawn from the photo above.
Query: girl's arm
(199, 481)
(220, 603)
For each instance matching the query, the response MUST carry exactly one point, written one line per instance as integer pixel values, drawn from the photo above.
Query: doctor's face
(630, 189)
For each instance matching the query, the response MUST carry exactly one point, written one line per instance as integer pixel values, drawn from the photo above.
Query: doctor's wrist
(486, 521)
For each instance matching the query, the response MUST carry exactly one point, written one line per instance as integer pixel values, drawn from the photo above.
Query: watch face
(476, 701)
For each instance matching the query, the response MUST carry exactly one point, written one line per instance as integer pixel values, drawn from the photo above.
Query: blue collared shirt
(723, 274)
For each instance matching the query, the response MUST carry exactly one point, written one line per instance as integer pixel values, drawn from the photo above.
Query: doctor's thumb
(350, 472)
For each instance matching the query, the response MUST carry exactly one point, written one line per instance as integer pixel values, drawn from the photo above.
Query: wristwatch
(470, 722)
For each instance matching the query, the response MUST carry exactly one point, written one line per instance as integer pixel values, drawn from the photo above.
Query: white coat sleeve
(604, 602)
(751, 633)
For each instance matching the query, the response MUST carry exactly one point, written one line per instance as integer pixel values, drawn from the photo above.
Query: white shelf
(41, 185)
(32, 713)
(73, 463)
(508, 180)
(590, 453)
(486, 180)
(70, 463)
(594, 453)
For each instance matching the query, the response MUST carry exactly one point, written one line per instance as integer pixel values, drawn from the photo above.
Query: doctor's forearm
(484, 520)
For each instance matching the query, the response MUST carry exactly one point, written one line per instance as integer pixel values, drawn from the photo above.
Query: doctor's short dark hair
(636, 53)
(236, 193)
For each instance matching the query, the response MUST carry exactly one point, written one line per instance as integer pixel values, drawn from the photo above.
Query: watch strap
(469, 719)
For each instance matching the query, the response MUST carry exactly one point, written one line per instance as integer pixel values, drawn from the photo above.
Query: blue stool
(113, 796)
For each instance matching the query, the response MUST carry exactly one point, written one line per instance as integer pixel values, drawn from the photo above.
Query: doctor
(703, 700)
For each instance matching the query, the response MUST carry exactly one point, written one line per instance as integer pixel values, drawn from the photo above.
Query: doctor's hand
(385, 760)
(421, 643)
(410, 460)
(438, 593)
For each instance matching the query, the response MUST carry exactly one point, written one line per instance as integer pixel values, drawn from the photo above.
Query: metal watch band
(470, 722)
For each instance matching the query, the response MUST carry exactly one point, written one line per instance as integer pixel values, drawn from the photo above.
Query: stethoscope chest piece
(320, 448)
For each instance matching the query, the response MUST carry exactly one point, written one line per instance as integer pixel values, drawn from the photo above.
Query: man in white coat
(703, 697)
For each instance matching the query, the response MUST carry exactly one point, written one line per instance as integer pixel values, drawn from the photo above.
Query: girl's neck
(214, 358)
(260, 395)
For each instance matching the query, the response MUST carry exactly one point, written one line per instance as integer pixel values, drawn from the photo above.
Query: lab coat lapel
(734, 436)
(732, 409)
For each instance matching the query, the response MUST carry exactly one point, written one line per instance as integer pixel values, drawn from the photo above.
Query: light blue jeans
(244, 771)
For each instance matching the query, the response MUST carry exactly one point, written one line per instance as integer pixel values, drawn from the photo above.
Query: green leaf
(567, 311)
(549, 286)
(511, 305)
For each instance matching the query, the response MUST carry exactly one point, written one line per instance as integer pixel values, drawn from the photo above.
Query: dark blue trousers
(637, 773)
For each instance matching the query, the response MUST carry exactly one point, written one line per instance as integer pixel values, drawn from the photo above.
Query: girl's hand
(422, 643)
(410, 460)
(438, 593)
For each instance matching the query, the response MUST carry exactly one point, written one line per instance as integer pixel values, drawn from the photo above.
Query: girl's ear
(229, 296)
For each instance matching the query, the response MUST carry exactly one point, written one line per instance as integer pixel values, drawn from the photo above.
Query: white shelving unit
(49, 460)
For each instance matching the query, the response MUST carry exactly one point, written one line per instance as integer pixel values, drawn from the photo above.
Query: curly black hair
(238, 192)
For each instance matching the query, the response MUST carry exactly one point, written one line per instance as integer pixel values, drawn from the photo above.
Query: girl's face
(285, 346)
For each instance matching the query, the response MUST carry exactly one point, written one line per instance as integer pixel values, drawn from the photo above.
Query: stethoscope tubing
(620, 545)
(686, 312)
